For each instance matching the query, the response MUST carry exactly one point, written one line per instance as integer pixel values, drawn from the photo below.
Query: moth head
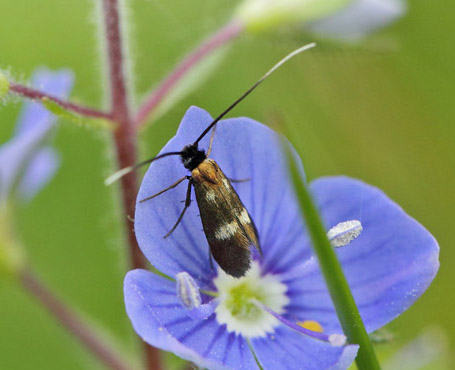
(192, 156)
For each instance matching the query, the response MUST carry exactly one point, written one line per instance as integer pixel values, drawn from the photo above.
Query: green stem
(71, 321)
(341, 295)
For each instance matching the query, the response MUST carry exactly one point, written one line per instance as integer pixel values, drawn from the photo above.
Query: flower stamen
(189, 295)
(335, 340)
(188, 291)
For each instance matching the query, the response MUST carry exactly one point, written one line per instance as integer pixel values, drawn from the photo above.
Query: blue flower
(281, 310)
(27, 162)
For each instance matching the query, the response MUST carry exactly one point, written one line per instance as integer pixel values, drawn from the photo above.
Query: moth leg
(187, 204)
(168, 188)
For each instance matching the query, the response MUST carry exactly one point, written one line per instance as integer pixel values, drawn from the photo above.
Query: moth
(228, 227)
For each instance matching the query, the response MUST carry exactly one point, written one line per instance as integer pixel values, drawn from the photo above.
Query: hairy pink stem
(71, 321)
(124, 136)
(220, 38)
(31, 93)
(125, 140)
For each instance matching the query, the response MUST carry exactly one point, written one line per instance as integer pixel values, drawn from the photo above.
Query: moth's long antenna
(120, 173)
(273, 69)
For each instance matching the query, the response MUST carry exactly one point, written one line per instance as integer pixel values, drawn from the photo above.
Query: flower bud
(258, 15)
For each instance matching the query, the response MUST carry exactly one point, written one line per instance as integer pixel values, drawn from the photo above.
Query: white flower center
(236, 306)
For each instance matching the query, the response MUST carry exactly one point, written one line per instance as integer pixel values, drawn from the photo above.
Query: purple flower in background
(27, 162)
(359, 18)
(342, 19)
(281, 310)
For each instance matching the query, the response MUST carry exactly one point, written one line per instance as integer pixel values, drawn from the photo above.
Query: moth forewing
(229, 229)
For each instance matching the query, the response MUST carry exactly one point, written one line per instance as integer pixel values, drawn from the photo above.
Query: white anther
(188, 291)
(344, 233)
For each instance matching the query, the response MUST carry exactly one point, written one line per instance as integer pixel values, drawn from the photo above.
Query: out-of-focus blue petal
(288, 349)
(15, 156)
(388, 266)
(359, 18)
(32, 132)
(34, 117)
(40, 170)
(159, 318)
(244, 149)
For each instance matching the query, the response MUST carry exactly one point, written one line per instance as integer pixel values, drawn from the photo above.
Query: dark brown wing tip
(235, 264)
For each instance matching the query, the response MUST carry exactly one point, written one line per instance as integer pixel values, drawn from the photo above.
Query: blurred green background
(382, 111)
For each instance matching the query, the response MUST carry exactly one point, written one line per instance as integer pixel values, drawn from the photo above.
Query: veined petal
(159, 318)
(186, 249)
(247, 149)
(388, 267)
(244, 149)
(287, 349)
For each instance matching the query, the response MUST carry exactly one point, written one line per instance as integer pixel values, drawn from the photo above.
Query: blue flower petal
(203, 311)
(359, 18)
(244, 149)
(287, 349)
(186, 249)
(32, 132)
(15, 157)
(388, 266)
(40, 170)
(160, 320)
